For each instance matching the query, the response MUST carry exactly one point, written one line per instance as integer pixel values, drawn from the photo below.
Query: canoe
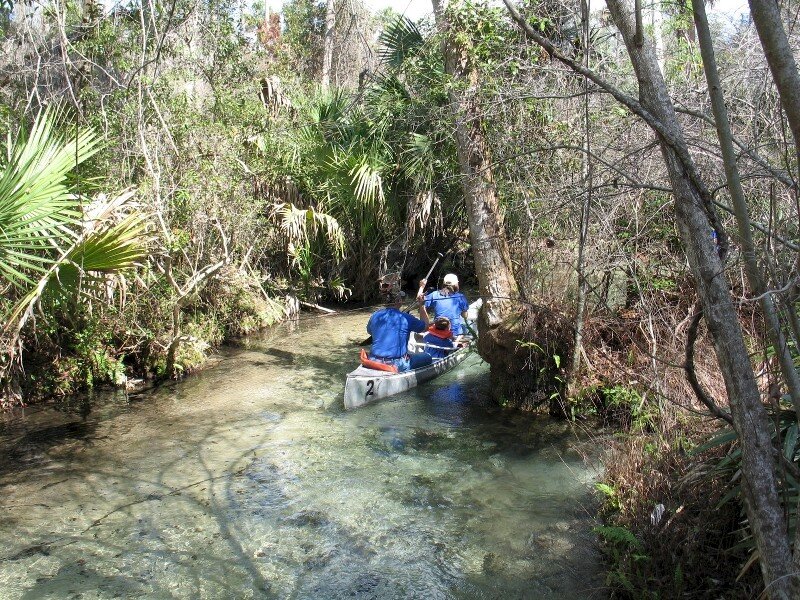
(366, 385)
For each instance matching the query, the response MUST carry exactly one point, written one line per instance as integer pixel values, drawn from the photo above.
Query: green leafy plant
(786, 438)
(610, 493)
(628, 560)
(400, 41)
(625, 405)
(55, 241)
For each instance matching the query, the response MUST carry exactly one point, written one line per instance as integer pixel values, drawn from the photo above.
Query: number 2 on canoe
(370, 386)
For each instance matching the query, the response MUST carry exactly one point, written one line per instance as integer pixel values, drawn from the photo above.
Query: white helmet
(451, 279)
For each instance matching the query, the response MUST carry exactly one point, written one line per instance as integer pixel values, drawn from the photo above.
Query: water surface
(249, 480)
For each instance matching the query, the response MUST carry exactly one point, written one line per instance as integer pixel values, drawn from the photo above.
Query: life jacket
(444, 334)
(377, 365)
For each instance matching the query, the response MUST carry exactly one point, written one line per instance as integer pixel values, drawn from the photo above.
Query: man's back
(390, 329)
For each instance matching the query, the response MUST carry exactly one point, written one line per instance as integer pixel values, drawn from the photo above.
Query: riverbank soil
(526, 353)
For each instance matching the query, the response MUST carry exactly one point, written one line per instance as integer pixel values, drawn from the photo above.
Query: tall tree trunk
(327, 51)
(496, 281)
(580, 308)
(752, 269)
(754, 277)
(696, 220)
(767, 18)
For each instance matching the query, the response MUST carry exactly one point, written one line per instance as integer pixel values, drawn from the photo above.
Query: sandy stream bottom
(249, 480)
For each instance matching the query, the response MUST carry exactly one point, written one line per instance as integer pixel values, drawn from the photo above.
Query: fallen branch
(327, 311)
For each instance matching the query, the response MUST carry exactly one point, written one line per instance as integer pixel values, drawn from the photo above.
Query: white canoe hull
(366, 385)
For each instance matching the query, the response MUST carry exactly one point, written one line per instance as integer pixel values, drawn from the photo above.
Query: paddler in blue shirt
(390, 329)
(446, 302)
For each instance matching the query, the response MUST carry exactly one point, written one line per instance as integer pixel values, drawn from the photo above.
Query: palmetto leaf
(386, 102)
(96, 253)
(112, 248)
(47, 239)
(300, 224)
(420, 160)
(38, 212)
(400, 40)
(102, 251)
(329, 115)
(367, 183)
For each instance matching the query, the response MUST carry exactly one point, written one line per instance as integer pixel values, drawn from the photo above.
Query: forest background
(179, 173)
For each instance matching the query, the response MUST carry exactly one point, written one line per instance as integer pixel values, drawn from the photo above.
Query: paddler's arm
(421, 292)
(423, 312)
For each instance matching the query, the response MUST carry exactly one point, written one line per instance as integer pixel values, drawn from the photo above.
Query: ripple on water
(250, 480)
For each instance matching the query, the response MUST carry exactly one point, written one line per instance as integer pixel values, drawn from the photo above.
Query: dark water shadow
(30, 449)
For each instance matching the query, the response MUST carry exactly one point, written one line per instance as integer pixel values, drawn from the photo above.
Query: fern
(618, 536)
(606, 489)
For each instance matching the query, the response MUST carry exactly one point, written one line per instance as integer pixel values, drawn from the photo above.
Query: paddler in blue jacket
(390, 329)
(446, 302)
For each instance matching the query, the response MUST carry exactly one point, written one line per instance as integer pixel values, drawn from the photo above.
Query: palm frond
(400, 40)
(387, 100)
(38, 211)
(112, 248)
(97, 253)
(105, 250)
(328, 114)
(367, 183)
(301, 224)
(419, 160)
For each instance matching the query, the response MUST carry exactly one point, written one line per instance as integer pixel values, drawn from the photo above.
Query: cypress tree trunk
(498, 287)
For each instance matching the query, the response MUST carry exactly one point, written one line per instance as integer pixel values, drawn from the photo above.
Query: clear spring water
(249, 480)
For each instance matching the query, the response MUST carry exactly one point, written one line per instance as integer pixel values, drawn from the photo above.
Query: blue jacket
(437, 347)
(450, 306)
(390, 329)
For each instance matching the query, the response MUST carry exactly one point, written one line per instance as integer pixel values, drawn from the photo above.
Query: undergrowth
(76, 350)
(671, 523)
(668, 529)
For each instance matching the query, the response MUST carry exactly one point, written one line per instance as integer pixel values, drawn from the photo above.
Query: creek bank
(658, 493)
(527, 354)
(126, 348)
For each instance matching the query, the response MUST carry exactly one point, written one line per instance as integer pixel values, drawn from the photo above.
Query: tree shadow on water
(158, 536)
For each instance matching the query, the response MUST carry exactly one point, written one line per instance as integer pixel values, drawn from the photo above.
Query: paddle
(439, 256)
(433, 266)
